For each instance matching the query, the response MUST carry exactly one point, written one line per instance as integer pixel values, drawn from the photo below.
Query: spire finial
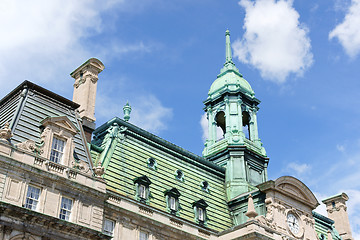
(229, 64)
(127, 111)
(228, 47)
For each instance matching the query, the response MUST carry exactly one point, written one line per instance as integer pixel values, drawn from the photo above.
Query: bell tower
(233, 139)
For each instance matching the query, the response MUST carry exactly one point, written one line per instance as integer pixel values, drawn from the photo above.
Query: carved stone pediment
(61, 122)
(293, 188)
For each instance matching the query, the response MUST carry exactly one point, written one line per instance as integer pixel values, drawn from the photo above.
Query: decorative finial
(229, 64)
(127, 111)
(251, 213)
(228, 47)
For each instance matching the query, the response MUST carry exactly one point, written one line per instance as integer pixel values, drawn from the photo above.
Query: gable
(297, 189)
(62, 122)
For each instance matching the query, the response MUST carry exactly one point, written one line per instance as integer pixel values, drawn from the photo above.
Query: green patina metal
(232, 106)
(323, 225)
(124, 151)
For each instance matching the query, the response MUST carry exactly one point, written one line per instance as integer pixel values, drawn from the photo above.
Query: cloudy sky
(302, 59)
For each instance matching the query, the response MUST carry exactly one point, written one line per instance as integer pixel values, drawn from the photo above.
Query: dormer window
(58, 139)
(205, 186)
(151, 163)
(179, 175)
(200, 212)
(57, 150)
(172, 200)
(142, 189)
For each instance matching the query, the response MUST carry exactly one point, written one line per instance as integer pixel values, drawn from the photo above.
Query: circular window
(179, 175)
(151, 163)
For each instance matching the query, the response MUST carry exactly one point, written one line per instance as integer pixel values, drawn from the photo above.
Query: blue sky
(302, 59)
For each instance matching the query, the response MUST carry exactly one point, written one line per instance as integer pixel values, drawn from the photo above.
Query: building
(57, 182)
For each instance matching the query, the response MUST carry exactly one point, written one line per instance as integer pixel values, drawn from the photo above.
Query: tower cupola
(233, 140)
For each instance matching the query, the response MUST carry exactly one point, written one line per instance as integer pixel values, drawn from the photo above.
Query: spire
(228, 47)
(229, 64)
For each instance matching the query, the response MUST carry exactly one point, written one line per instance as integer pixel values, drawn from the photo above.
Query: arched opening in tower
(246, 124)
(220, 122)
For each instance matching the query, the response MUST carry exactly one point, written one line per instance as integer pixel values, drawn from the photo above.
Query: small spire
(228, 47)
(229, 64)
(127, 111)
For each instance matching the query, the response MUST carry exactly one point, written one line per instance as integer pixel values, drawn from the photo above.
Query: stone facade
(130, 184)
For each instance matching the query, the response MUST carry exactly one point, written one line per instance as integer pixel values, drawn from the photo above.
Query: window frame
(68, 212)
(142, 182)
(200, 209)
(172, 195)
(26, 204)
(54, 150)
(106, 231)
(147, 234)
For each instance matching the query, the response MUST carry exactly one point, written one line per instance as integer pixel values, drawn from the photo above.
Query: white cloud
(299, 169)
(348, 32)
(147, 110)
(340, 148)
(274, 41)
(43, 41)
(149, 113)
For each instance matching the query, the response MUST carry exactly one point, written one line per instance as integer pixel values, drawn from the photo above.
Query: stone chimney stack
(337, 211)
(86, 77)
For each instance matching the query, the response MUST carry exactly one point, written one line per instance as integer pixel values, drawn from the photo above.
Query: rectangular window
(143, 236)
(142, 191)
(201, 214)
(57, 149)
(109, 227)
(65, 208)
(32, 197)
(172, 203)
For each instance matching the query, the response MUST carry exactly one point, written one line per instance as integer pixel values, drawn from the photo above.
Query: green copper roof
(229, 78)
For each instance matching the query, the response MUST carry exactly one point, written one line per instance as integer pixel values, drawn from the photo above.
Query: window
(142, 191)
(109, 227)
(179, 175)
(32, 197)
(142, 188)
(172, 200)
(200, 212)
(65, 208)
(143, 236)
(151, 163)
(205, 186)
(57, 149)
(172, 203)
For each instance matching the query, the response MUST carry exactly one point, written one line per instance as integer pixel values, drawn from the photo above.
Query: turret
(232, 106)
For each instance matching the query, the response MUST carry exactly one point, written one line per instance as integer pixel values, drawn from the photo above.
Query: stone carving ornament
(5, 132)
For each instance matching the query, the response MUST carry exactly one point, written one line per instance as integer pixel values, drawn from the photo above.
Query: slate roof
(28, 104)
(124, 151)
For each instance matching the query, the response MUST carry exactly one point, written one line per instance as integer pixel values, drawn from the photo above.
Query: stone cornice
(40, 224)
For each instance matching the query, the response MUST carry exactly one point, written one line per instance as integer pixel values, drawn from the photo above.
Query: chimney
(86, 77)
(337, 211)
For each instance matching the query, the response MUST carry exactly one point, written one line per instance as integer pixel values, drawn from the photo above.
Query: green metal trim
(199, 161)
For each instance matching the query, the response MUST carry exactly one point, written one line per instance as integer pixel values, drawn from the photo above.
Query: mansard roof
(29, 105)
(123, 150)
